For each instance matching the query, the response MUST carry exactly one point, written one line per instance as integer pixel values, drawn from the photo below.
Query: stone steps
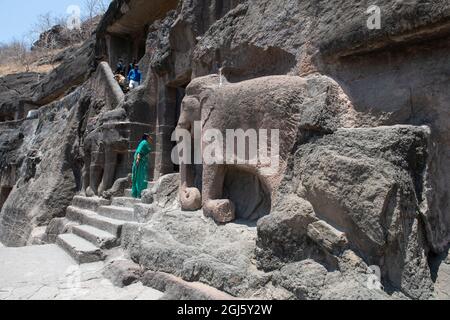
(80, 249)
(100, 228)
(99, 238)
(125, 202)
(89, 203)
(117, 213)
(93, 219)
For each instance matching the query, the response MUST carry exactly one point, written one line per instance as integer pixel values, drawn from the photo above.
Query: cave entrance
(129, 48)
(248, 192)
(4, 194)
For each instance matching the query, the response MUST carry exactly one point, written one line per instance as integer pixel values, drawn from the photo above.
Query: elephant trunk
(190, 197)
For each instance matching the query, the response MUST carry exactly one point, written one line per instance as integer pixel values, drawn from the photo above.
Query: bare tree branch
(94, 8)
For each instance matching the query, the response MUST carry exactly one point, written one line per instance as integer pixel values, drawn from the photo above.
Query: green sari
(140, 172)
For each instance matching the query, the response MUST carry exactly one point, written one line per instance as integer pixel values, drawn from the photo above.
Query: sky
(17, 17)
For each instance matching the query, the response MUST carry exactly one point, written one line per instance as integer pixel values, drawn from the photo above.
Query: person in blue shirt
(130, 67)
(134, 77)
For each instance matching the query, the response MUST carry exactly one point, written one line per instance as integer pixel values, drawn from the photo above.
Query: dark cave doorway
(128, 48)
(248, 192)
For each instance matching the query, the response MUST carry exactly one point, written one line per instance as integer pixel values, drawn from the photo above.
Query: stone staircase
(97, 226)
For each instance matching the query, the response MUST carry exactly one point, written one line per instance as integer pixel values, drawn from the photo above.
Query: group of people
(128, 78)
(141, 156)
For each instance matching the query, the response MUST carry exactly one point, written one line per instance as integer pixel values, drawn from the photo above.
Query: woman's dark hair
(145, 136)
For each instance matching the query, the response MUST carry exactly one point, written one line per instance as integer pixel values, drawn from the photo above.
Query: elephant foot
(191, 199)
(222, 211)
(101, 189)
(90, 193)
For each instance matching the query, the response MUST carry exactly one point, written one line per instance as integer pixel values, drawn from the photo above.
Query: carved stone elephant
(101, 150)
(297, 107)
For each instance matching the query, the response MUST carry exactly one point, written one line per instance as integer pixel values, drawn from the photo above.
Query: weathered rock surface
(164, 193)
(118, 188)
(317, 29)
(15, 90)
(190, 246)
(45, 148)
(123, 273)
(162, 196)
(56, 227)
(193, 248)
(71, 73)
(441, 267)
(175, 288)
(364, 182)
(365, 186)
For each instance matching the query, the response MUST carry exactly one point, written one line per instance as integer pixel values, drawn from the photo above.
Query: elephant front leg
(86, 174)
(95, 173)
(109, 170)
(221, 210)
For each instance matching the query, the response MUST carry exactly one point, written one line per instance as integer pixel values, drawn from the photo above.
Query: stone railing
(104, 81)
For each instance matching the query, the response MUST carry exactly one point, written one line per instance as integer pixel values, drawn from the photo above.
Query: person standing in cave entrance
(120, 69)
(134, 77)
(140, 166)
(131, 67)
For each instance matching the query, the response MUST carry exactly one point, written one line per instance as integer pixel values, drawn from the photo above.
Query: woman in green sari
(140, 166)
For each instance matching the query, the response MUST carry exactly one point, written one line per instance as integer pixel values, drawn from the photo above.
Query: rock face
(164, 193)
(363, 117)
(14, 93)
(364, 187)
(75, 70)
(195, 249)
(122, 273)
(43, 147)
(59, 37)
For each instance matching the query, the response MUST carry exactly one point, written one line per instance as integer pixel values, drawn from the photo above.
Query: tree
(44, 23)
(90, 7)
(95, 7)
(103, 5)
(15, 53)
